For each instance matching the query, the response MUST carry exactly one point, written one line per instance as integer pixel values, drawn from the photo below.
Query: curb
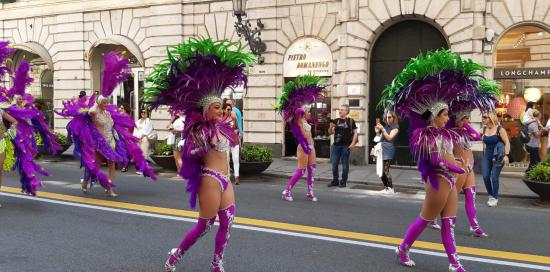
(378, 184)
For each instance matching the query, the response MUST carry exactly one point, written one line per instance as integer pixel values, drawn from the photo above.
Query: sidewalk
(511, 184)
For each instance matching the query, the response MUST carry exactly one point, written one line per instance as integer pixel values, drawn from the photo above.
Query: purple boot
(222, 237)
(200, 229)
(471, 211)
(448, 240)
(297, 175)
(310, 170)
(413, 232)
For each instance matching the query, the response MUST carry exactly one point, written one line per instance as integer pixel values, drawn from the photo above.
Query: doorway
(391, 52)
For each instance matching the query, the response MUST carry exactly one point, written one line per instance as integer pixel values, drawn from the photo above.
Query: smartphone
(377, 121)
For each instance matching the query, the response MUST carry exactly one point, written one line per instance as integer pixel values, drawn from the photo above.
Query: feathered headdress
(115, 72)
(428, 85)
(303, 90)
(300, 92)
(196, 74)
(430, 82)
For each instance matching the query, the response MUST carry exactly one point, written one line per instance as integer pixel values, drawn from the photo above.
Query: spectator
(345, 138)
(387, 134)
(144, 132)
(236, 115)
(125, 108)
(495, 155)
(176, 128)
(533, 146)
(527, 116)
(235, 151)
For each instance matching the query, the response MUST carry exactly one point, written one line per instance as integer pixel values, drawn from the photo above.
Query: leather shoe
(342, 185)
(333, 184)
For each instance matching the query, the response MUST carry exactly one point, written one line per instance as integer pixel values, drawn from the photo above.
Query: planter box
(540, 188)
(165, 161)
(253, 168)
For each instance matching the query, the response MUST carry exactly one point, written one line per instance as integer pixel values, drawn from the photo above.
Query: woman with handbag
(387, 136)
(496, 150)
(145, 133)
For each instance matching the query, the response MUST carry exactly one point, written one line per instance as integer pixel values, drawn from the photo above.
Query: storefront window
(522, 67)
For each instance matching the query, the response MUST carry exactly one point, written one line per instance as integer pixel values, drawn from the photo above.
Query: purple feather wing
(127, 145)
(115, 72)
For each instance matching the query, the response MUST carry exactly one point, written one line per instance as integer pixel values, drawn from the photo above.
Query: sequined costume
(292, 103)
(112, 138)
(426, 87)
(193, 78)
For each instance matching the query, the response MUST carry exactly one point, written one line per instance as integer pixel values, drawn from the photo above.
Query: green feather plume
(231, 54)
(432, 64)
(297, 83)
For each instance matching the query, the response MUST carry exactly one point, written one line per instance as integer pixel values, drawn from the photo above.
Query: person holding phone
(387, 136)
(345, 138)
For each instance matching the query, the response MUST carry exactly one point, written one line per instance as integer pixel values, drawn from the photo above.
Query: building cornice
(39, 8)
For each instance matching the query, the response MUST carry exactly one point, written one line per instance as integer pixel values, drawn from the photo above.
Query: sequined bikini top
(307, 126)
(222, 145)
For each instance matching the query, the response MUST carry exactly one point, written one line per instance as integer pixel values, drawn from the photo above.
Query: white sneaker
(383, 191)
(492, 202)
(390, 191)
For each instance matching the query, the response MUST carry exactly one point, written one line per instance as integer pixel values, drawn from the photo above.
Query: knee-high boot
(448, 240)
(200, 229)
(297, 175)
(413, 232)
(222, 237)
(310, 180)
(471, 211)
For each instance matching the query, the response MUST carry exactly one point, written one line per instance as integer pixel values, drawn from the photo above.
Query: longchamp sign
(510, 73)
(308, 56)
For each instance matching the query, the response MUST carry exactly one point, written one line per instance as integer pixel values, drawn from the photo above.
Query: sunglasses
(484, 117)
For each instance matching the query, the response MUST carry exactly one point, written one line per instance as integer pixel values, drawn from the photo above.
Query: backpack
(524, 135)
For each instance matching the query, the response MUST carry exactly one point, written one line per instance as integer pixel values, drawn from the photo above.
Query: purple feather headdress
(5, 53)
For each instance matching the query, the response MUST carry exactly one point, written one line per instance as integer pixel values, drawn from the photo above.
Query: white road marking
(283, 232)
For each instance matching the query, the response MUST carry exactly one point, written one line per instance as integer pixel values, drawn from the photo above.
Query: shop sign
(308, 56)
(511, 73)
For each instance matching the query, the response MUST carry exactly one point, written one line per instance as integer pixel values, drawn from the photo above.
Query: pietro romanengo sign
(308, 56)
(505, 73)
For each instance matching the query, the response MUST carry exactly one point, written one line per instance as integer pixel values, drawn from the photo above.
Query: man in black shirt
(345, 138)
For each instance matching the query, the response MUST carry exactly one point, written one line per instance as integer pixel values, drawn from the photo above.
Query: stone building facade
(367, 42)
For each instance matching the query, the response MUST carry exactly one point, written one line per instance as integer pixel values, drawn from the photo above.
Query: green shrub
(540, 172)
(163, 149)
(255, 153)
(60, 139)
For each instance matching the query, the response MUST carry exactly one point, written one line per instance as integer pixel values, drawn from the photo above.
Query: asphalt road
(347, 230)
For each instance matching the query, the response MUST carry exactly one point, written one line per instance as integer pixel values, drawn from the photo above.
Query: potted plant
(538, 179)
(61, 139)
(164, 157)
(255, 159)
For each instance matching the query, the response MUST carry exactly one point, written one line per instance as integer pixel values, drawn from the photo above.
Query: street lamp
(244, 28)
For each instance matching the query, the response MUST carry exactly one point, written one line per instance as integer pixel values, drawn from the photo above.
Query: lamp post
(244, 28)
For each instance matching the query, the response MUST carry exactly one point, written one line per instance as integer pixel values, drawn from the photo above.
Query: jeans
(491, 174)
(534, 156)
(340, 153)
